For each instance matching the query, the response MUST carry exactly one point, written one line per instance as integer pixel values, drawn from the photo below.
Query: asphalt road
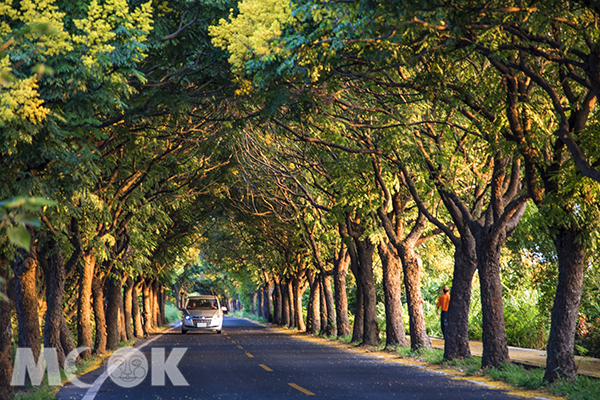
(249, 361)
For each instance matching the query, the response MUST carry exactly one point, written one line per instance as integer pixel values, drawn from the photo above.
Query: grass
(428, 355)
(46, 392)
(470, 366)
(42, 392)
(345, 339)
(583, 388)
(126, 344)
(518, 375)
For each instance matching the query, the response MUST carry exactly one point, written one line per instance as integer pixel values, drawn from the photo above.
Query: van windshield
(202, 304)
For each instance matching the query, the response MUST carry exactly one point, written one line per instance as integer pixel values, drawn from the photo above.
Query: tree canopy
(264, 148)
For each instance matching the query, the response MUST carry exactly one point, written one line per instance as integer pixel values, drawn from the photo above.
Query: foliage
(18, 213)
(525, 325)
(250, 31)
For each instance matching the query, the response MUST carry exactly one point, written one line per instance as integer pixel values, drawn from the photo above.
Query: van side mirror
(224, 309)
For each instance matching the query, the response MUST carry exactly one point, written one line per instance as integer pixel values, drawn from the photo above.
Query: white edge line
(93, 390)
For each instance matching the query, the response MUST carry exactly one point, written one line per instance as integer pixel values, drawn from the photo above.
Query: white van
(202, 313)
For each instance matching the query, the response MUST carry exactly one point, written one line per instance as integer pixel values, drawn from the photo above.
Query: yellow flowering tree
(35, 42)
(251, 32)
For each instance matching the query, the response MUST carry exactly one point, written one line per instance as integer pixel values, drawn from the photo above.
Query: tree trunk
(323, 316)
(359, 310)
(391, 265)
(99, 316)
(571, 262)
(365, 251)
(162, 304)
(128, 306)
(495, 344)
(84, 304)
(313, 319)
(177, 297)
(292, 303)
(138, 328)
(277, 303)
(66, 339)
(55, 286)
(285, 304)
(267, 302)
(298, 292)
(411, 264)
(26, 302)
(331, 329)
(255, 307)
(155, 306)
(260, 302)
(122, 332)
(456, 343)
(6, 364)
(341, 296)
(147, 303)
(114, 299)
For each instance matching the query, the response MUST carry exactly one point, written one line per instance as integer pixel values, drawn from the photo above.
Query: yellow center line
(249, 355)
(240, 347)
(307, 392)
(233, 341)
(265, 367)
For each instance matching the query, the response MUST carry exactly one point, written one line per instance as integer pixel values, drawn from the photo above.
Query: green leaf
(19, 236)
(40, 202)
(28, 219)
(14, 203)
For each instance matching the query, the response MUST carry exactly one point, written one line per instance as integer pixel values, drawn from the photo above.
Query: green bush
(587, 339)
(172, 313)
(525, 327)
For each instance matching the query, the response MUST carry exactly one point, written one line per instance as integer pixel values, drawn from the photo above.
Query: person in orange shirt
(442, 303)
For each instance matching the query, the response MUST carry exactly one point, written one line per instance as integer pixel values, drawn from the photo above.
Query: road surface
(249, 361)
